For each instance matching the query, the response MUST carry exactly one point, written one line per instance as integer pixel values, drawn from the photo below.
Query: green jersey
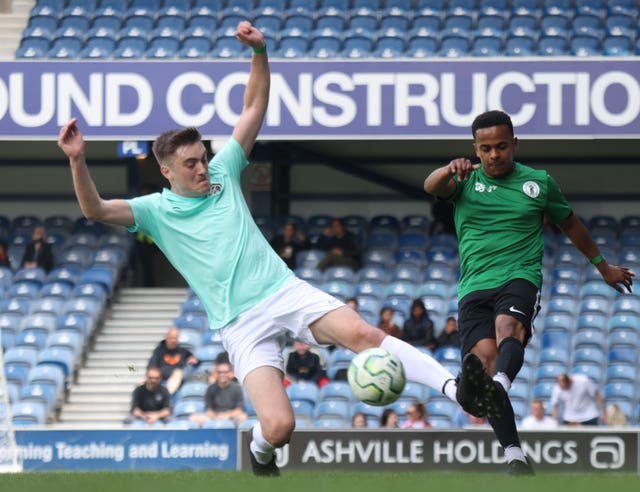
(499, 225)
(213, 241)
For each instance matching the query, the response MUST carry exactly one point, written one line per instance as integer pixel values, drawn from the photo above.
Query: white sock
(514, 453)
(260, 447)
(420, 367)
(504, 380)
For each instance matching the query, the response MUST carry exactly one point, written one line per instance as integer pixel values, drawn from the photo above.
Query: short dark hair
(489, 119)
(168, 142)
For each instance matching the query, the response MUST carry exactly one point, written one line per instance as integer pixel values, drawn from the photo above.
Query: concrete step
(96, 400)
(113, 378)
(159, 317)
(117, 366)
(135, 325)
(127, 337)
(98, 418)
(106, 389)
(90, 407)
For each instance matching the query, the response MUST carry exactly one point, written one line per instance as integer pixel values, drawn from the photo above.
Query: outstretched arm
(91, 203)
(256, 95)
(440, 182)
(580, 237)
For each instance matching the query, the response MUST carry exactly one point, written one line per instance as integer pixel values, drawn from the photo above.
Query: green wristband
(597, 260)
(259, 51)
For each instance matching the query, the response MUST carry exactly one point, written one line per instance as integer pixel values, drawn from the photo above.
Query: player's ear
(475, 150)
(166, 172)
(515, 143)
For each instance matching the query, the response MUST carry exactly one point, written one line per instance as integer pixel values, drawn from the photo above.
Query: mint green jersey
(499, 224)
(213, 241)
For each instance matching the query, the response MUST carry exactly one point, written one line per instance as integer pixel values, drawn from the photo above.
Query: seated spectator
(224, 399)
(4, 257)
(352, 302)
(305, 365)
(289, 243)
(615, 415)
(580, 399)
(38, 251)
(417, 417)
(463, 419)
(341, 246)
(389, 419)
(537, 420)
(359, 420)
(450, 335)
(387, 324)
(172, 358)
(418, 328)
(151, 402)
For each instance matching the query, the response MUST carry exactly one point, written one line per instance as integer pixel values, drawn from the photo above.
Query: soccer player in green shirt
(499, 207)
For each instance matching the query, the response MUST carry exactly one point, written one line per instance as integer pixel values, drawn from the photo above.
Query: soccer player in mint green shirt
(204, 227)
(499, 208)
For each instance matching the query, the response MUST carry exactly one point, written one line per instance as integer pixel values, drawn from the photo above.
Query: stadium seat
(25, 356)
(335, 391)
(27, 413)
(192, 391)
(591, 321)
(39, 393)
(358, 43)
(626, 305)
(624, 337)
(617, 45)
(623, 355)
(338, 363)
(589, 337)
(370, 411)
(58, 356)
(548, 372)
(620, 373)
(363, 18)
(332, 409)
(619, 390)
(98, 47)
(329, 17)
(394, 17)
(197, 322)
(194, 47)
(184, 408)
(624, 322)
(208, 353)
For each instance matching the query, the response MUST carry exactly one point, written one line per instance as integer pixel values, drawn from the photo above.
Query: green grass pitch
(300, 481)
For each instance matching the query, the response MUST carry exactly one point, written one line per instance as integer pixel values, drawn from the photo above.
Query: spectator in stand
(537, 420)
(387, 324)
(305, 365)
(341, 246)
(289, 243)
(151, 402)
(449, 337)
(417, 417)
(224, 399)
(581, 399)
(359, 420)
(464, 419)
(4, 257)
(38, 251)
(615, 415)
(172, 358)
(418, 328)
(389, 419)
(352, 302)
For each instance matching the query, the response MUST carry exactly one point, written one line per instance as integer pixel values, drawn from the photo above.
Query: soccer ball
(376, 376)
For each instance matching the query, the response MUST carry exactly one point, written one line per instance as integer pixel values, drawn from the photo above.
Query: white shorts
(257, 336)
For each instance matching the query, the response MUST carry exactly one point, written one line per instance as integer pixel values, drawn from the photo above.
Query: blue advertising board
(128, 449)
(340, 99)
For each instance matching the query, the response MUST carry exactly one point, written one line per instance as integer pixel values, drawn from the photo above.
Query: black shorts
(477, 311)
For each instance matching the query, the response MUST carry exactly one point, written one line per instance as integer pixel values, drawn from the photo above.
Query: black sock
(510, 357)
(505, 427)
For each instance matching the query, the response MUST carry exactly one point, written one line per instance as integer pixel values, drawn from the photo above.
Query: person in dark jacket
(418, 328)
(38, 251)
(172, 358)
(341, 246)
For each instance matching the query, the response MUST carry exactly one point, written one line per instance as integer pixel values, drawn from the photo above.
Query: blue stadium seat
(98, 47)
(623, 337)
(65, 47)
(364, 18)
(332, 409)
(185, 408)
(208, 353)
(628, 305)
(162, 47)
(390, 43)
(27, 413)
(370, 411)
(340, 273)
(39, 393)
(25, 356)
(336, 391)
(548, 372)
(394, 17)
(594, 305)
(551, 355)
(41, 322)
(294, 43)
(358, 43)
(267, 18)
(338, 288)
(581, 45)
(58, 356)
(623, 355)
(620, 373)
(230, 17)
(49, 374)
(130, 47)
(192, 321)
(486, 45)
(303, 391)
(192, 391)
(338, 363)
(616, 45)
(325, 18)
(194, 47)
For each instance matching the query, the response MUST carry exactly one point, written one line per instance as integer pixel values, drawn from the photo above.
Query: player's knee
(365, 335)
(277, 431)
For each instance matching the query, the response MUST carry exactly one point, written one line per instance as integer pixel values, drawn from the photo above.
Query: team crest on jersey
(215, 189)
(531, 189)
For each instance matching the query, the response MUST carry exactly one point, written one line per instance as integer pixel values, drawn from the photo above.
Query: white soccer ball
(376, 376)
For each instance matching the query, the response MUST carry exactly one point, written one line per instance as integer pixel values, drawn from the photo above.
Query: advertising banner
(468, 450)
(340, 99)
(129, 449)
